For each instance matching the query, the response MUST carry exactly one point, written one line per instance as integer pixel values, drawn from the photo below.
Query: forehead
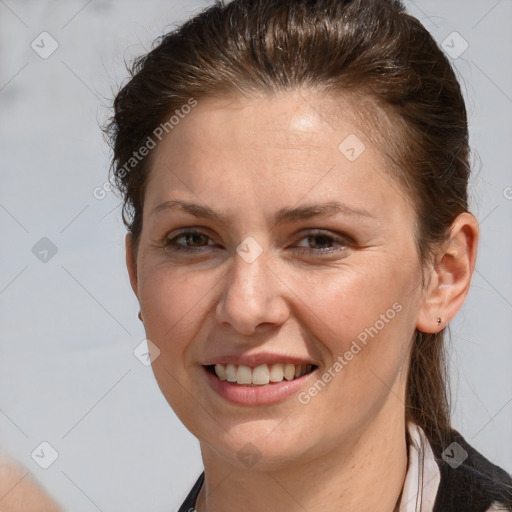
(296, 117)
(286, 145)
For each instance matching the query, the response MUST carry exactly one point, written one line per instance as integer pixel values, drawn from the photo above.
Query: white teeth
(289, 371)
(276, 373)
(220, 371)
(260, 375)
(244, 375)
(231, 373)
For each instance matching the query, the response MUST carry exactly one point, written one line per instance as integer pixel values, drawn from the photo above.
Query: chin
(258, 445)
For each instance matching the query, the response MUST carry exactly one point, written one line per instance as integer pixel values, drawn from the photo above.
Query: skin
(19, 492)
(246, 159)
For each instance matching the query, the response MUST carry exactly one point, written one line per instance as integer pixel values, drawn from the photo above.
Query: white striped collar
(422, 472)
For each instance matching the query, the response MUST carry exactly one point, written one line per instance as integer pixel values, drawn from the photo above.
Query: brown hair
(369, 48)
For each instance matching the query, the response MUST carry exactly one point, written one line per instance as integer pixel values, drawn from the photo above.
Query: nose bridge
(252, 294)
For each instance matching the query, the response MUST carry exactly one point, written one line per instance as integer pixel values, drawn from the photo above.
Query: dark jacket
(474, 486)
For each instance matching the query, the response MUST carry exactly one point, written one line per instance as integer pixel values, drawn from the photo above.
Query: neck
(364, 474)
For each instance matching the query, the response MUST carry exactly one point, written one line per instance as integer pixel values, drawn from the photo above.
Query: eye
(323, 243)
(193, 237)
(323, 239)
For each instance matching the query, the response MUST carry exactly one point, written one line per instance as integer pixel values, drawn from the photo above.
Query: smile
(261, 375)
(264, 384)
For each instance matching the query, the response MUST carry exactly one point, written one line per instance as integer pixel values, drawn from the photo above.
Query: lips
(258, 379)
(257, 395)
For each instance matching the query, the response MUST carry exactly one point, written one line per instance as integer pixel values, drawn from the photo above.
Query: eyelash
(170, 243)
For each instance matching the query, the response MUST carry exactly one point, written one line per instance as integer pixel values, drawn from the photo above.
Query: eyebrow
(282, 216)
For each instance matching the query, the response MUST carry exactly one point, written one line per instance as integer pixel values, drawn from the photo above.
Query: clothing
(460, 481)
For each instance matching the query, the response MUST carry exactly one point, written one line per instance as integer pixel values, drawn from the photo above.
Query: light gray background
(68, 375)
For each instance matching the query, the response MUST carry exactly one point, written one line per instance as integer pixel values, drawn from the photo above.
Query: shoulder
(469, 481)
(19, 492)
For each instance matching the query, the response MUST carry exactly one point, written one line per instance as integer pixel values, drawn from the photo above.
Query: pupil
(193, 237)
(321, 237)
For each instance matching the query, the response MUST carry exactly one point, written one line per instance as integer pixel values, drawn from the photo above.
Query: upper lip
(254, 360)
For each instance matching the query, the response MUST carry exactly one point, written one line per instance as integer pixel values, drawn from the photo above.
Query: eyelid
(334, 235)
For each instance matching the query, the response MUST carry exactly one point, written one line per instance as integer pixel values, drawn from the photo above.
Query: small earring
(438, 320)
(140, 316)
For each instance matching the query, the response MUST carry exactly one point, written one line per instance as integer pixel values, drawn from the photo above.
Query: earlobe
(131, 264)
(449, 282)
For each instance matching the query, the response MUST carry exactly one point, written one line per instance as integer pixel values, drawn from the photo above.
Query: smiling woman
(298, 243)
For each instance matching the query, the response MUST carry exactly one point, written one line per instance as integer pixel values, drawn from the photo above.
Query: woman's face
(267, 279)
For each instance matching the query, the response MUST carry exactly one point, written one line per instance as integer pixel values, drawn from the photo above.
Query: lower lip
(257, 395)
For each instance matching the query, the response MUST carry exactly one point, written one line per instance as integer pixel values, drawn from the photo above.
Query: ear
(131, 263)
(450, 278)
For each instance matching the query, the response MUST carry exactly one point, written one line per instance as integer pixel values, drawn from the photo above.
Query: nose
(254, 295)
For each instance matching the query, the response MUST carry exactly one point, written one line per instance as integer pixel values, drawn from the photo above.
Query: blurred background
(79, 409)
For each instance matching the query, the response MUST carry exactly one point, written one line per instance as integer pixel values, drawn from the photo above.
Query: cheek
(351, 301)
(363, 321)
(172, 300)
